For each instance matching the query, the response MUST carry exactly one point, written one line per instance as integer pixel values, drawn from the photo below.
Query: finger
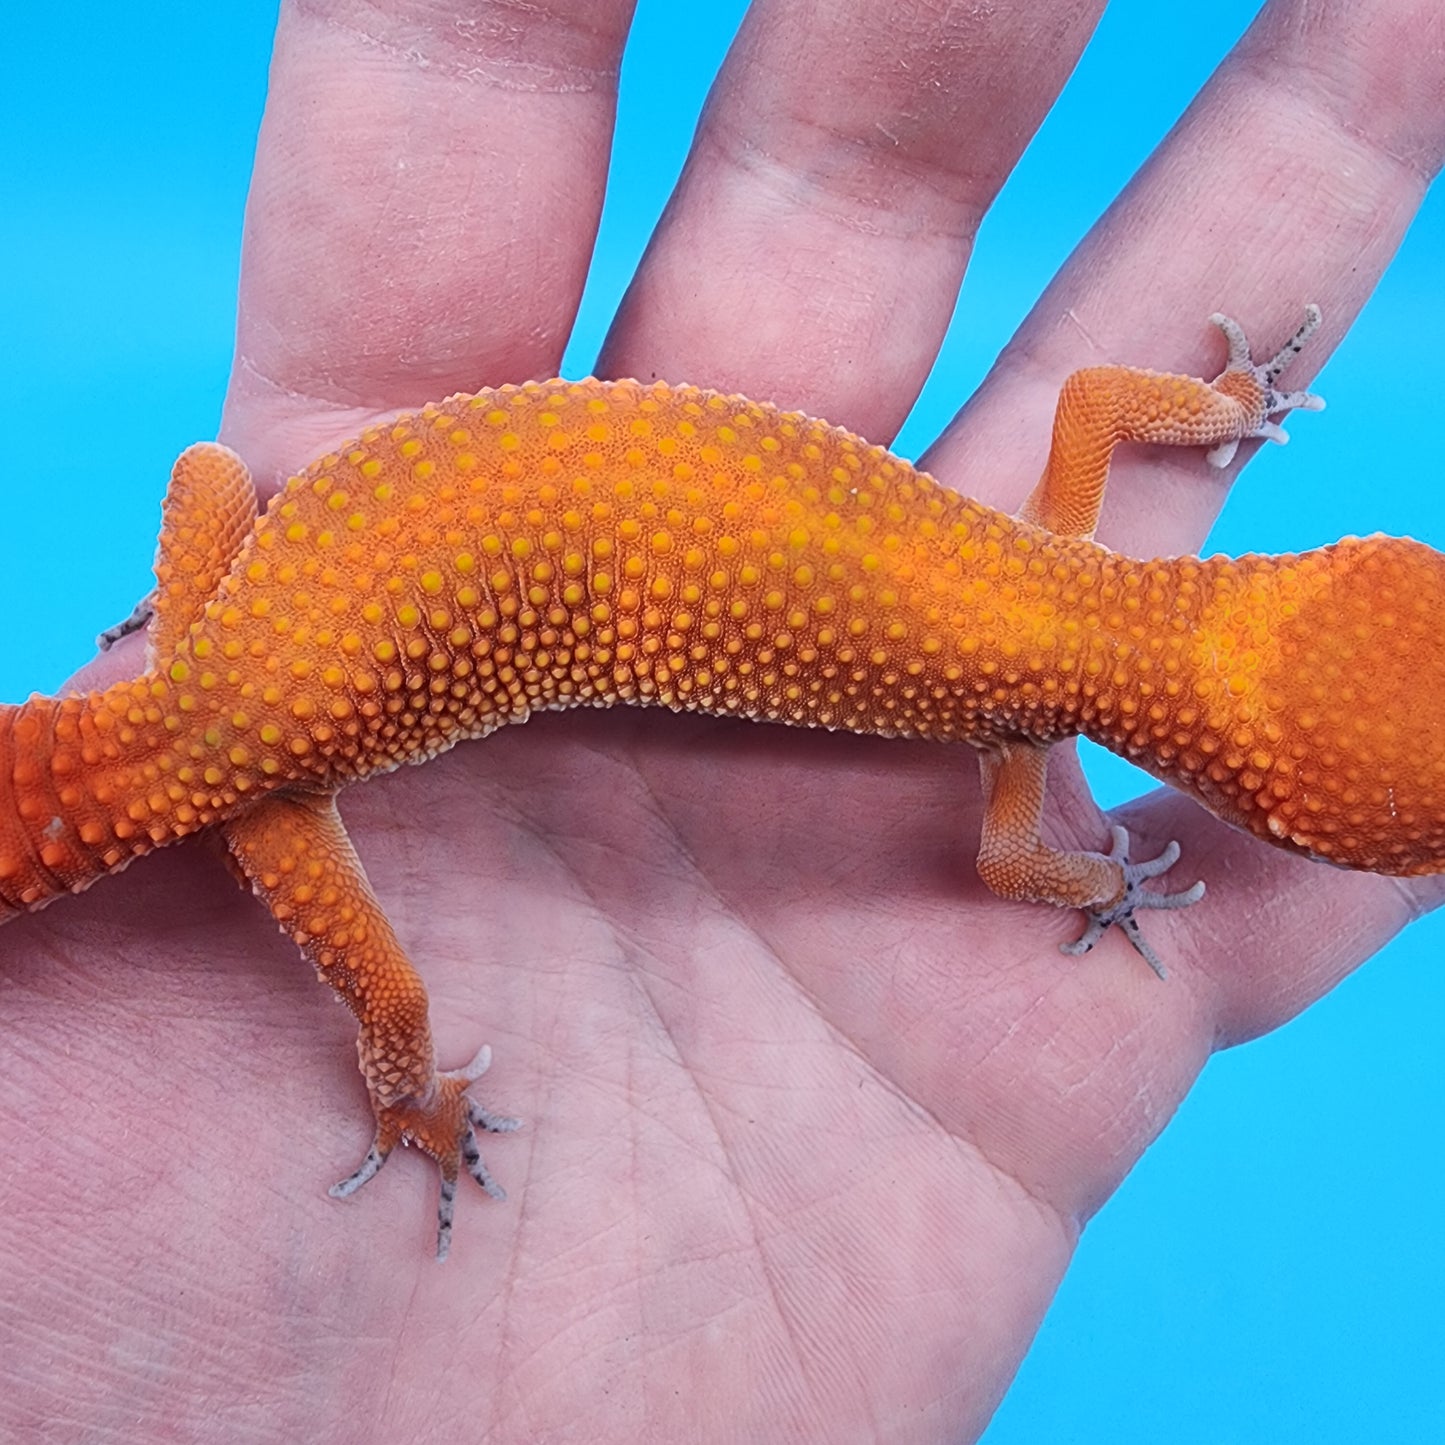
(1276, 931)
(426, 194)
(1290, 179)
(814, 246)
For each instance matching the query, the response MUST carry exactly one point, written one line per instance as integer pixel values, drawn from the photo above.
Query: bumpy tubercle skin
(563, 544)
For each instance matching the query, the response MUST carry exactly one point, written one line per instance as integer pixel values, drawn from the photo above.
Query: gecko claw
(1100, 920)
(367, 1170)
(1272, 402)
(441, 1122)
(138, 621)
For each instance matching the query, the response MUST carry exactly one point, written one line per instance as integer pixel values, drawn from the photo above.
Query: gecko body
(560, 544)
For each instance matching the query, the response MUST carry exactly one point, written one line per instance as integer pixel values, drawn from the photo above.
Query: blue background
(1272, 1270)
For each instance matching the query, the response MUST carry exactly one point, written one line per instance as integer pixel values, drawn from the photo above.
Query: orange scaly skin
(560, 544)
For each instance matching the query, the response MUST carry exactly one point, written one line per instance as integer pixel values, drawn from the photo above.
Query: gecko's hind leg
(295, 854)
(209, 508)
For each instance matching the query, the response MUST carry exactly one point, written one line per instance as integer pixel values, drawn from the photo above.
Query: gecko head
(1353, 705)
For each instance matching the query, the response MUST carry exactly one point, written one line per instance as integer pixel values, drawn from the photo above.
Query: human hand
(812, 1120)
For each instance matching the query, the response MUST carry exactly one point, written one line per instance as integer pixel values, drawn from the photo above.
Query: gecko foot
(1264, 376)
(443, 1125)
(138, 620)
(1134, 898)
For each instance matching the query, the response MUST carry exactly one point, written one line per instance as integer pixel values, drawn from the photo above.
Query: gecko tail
(44, 853)
(19, 879)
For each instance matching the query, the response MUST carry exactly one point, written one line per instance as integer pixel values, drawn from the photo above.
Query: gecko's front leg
(1016, 863)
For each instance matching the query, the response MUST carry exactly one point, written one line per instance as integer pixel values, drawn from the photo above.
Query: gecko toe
(1133, 898)
(1273, 402)
(441, 1120)
(366, 1171)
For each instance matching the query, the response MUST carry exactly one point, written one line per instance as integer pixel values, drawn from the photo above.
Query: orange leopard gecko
(560, 544)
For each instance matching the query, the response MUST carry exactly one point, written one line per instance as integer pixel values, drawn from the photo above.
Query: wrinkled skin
(813, 1121)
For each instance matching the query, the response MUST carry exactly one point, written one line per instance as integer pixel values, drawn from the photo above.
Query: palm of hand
(803, 1100)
